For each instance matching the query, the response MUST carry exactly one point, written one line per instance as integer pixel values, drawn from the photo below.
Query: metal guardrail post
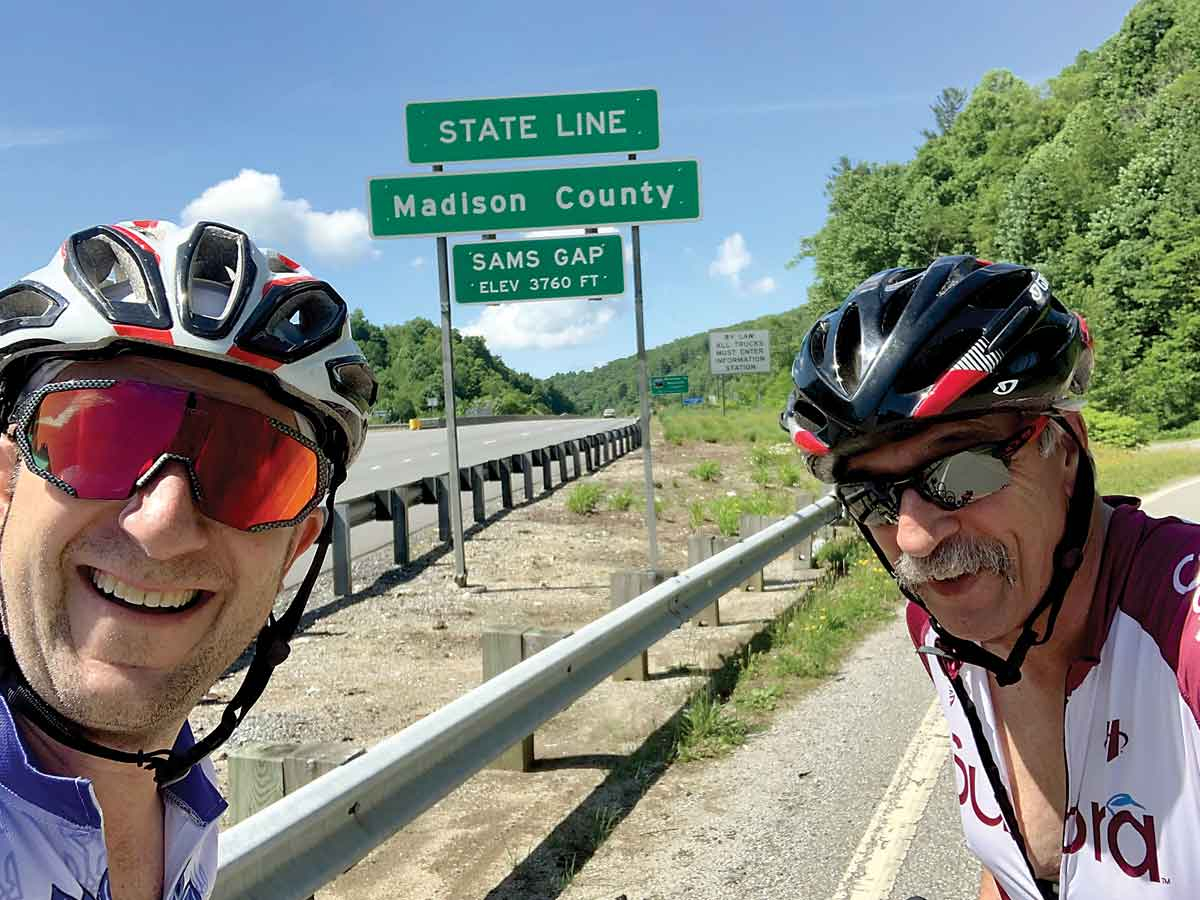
(547, 481)
(527, 475)
(478, 504)
(589, 457)
(443, 505)
(342, 581)
(561, 452)
(401, 551)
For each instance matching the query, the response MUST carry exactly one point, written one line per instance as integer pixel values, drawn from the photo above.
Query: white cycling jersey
(1132, 739)
(51, 837)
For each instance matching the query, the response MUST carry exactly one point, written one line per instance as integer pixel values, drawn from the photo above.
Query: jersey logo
(1115, 831)
(1115, 742)
(1005, 387)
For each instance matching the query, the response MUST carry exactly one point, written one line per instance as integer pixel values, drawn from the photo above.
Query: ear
(1072, 450)
(10, 460)
(305, 535)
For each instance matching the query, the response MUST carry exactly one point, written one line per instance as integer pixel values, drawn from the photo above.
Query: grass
(620, 501)
(754, 426)
(585, 498)
(1139, 472)
(707, 470)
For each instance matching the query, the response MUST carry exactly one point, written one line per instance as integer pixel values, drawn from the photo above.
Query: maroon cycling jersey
(1132, 738)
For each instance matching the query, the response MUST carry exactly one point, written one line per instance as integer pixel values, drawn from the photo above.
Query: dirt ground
(407, 643)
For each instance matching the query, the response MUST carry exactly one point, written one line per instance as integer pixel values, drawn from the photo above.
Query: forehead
(905, 454)
(182, 375)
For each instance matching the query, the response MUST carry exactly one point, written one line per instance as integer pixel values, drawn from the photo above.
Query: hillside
(1093, 178)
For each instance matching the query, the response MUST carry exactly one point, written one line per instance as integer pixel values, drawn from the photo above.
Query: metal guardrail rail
(392, 504)
(296, 845)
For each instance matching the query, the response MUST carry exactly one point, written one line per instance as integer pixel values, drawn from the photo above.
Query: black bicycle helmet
(964, 337)
(907, 346)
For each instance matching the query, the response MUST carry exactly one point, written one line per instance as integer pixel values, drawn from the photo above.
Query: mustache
(954, 557)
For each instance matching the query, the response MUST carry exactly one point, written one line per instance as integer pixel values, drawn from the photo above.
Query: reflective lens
(102, 440)
(950, 482)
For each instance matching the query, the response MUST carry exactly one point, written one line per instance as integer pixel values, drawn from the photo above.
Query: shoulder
(1157, 584)
(918, 629)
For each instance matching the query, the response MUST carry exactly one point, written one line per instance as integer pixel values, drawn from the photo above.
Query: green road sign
(669, 384)
(544, 269)
(445, 131)
(479, 202)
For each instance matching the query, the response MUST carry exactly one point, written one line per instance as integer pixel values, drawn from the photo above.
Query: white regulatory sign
(735, 352)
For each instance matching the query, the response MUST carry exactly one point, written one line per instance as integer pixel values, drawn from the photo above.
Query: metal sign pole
(456, 523)
(644, 389)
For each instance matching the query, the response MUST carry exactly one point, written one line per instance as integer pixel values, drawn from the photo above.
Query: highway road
(398, 456)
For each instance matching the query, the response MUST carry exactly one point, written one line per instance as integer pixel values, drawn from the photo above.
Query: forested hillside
(1094, 179)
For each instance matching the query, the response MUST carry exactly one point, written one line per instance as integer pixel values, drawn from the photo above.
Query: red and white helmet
(205, 295)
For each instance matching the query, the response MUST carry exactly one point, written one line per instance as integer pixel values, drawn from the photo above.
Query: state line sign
(737, 352)
(442, 131)
(556, 268)
(518, 199)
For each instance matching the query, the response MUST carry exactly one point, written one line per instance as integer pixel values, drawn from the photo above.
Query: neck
(1048, 662)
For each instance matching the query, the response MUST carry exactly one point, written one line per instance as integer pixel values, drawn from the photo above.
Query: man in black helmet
(1055, 625)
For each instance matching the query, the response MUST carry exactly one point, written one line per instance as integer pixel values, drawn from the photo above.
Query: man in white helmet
(178, 405)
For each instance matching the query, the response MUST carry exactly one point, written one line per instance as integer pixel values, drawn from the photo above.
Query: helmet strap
(1068, 557)
(271, 648)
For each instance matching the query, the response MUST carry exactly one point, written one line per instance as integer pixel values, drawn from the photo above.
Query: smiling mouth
(121, 593)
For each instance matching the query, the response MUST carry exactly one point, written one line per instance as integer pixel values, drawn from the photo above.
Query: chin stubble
(954, 557)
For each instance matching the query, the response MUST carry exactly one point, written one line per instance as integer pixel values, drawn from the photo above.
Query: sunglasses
(950, 482)
(104, 439)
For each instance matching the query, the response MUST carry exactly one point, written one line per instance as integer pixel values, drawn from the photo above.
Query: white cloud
(44, 137)
(566, 232)
(764, 285)
(255, 202)
(417, 262)
(732, 258)
(545, 325)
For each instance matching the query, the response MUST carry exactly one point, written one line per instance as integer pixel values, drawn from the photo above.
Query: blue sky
(272, 119)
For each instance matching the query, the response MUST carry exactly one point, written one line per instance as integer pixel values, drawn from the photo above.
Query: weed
(696, 514)
(621, 500)
(707, 728)
(767, 503)
(760, 456)
(790, 474)
(707, 470)
(761, 475)
(601, 824)
(763, 699)
(726, 512)
(585, 498)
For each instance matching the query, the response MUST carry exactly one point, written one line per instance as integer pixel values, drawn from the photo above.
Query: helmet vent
(214, 274)
(933, 360)
(294, 321)
(29, 305)
(847, 348)
(999, 290)
(816, 342)
(111, 270)
(808, 416)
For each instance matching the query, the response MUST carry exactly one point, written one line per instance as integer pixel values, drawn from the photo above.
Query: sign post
(647, 463)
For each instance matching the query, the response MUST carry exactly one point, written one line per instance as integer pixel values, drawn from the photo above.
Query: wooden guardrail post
(260, 774)
(503, 647)
(527, 475)
(804, 549)
(751, 523)
(623, 587)
(700, 548)
(398, 503)
(478, 499)
(343, 583)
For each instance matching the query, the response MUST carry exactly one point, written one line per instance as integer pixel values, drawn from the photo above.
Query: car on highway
(609, 413)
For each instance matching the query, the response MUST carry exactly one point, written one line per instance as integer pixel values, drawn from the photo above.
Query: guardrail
(308, 838)
(392, 504)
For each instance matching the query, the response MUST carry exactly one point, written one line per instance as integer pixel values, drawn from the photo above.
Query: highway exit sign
(669, 384)
(443, 131)
(556, 268)
(508, 200)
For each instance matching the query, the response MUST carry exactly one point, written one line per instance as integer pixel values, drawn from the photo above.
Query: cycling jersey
(51, 840)
(1132, 739)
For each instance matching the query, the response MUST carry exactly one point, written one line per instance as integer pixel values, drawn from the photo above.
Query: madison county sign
(545, 125)
(544, 269)
(480, 202)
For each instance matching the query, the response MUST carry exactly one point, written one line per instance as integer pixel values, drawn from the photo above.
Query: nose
(162, 515)
(922, 525)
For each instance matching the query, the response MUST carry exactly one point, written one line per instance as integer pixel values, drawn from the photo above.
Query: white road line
(489, 442)
(872, 870)
(524, 434)
(434, 453)
(376, 468)
(406, 460)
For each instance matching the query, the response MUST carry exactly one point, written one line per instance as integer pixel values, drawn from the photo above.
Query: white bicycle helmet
(204, 295)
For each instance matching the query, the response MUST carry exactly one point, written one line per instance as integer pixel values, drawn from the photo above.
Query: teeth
(109, 584)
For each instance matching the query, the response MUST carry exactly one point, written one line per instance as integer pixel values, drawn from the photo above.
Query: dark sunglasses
(949, 483)
(103, 439)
